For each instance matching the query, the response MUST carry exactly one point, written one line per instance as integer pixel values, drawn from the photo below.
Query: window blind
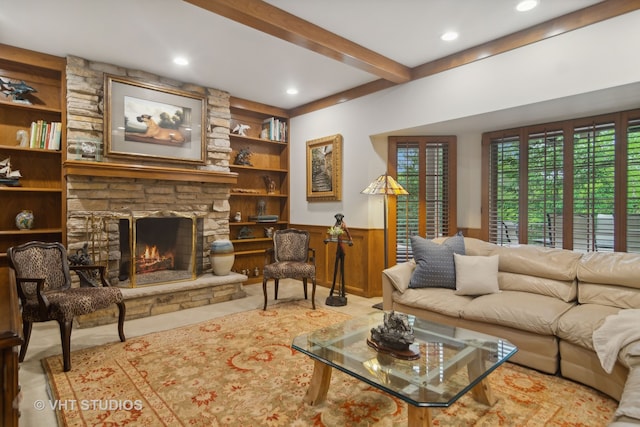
(545, 178)
(504, 189)
(423, 166)
(594, 148)
(633, 185)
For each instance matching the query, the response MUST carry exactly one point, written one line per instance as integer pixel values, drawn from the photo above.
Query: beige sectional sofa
(549, 303)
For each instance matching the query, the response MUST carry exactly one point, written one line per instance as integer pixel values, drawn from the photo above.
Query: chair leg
(277, 282)
(65, 337)
(26, 333)
(313, 292)
(122, 311)
(264, 291)
(304, 285)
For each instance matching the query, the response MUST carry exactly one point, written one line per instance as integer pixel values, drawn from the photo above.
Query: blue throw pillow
(435, 267)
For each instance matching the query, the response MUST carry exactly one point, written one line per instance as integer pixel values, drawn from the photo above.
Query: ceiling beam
(563, 24)
(274, 21)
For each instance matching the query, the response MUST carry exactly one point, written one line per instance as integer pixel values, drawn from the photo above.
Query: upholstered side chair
(42, 275)
(291, 257)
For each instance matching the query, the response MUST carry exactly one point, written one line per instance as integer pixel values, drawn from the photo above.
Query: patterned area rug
(239, 370)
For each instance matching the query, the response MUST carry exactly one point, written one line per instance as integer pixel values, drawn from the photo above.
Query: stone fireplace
(117, 206)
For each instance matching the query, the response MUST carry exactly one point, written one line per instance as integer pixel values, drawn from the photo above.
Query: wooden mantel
(121, 170)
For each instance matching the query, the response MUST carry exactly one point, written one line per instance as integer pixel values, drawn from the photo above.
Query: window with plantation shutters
(574, 184)
(504, 189)
(594, 164)
(545, 178)
(633, 185)
(425, 167)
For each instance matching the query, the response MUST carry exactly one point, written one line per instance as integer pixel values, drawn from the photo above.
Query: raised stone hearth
(151, 300)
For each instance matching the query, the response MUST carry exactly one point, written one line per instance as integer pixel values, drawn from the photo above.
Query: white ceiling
(147, 34)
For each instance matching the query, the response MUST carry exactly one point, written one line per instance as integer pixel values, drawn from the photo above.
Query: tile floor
(45, 338)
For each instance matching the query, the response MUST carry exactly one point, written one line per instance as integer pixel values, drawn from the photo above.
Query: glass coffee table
(452, 362)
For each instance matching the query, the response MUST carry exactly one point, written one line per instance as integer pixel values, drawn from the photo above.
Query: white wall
(467, 101)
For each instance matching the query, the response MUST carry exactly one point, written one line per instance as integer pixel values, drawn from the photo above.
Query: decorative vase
(222, 257)
(24, 220)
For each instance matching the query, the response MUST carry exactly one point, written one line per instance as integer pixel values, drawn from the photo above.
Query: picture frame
(324, 169)
(144, 120)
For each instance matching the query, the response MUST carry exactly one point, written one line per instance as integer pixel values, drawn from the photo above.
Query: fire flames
(151, 253)
(152, 260)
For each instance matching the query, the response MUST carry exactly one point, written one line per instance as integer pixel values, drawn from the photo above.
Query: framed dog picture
(154, 122)
(324, 169)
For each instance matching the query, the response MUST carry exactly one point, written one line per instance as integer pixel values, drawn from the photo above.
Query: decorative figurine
(243, 157)
(241, 129)
(237, 217)
(23, 137)
(268, 231)
(338, 233)
(262, 207)
(8, 176)
(245, 233)
(395, 333)
(16, 91)
(269, 184)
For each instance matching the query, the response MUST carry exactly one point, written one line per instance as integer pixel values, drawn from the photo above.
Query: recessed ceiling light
(292, 91)
(526, 5)
(181, 60)
(449, 35)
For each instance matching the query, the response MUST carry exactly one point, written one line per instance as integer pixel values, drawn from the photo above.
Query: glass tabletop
(452, 360)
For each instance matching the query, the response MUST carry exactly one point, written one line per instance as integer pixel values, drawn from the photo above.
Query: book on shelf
(274, 129)
(45, 135)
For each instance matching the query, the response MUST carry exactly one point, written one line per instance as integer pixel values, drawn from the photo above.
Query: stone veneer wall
(103, 197)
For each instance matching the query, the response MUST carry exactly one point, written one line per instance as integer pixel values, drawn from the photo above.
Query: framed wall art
(153, 122)
(324, 168)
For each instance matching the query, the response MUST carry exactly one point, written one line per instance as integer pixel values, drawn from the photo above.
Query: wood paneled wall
(363, 263)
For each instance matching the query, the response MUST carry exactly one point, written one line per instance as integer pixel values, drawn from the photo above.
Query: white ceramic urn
(222, 257)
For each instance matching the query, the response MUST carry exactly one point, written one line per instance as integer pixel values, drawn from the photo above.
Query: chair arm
(43, 302)
(312, 256)
(269, 256)
(86, 280)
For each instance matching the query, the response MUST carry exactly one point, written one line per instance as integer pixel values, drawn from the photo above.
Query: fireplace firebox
(159, 248)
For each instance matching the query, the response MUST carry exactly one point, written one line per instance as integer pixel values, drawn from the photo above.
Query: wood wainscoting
(363, 263)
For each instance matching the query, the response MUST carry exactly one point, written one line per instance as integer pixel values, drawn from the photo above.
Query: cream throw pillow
(476, 275)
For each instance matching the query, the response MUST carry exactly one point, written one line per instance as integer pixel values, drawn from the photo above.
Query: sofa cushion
(434, 262)
(520, 310)
(609, 278)
(565, 290)
(400, 274)
(610, 268)
(439, 300)
(476, 275)
(577, 325)
(473, 246)
(611, 295)
(558, 264)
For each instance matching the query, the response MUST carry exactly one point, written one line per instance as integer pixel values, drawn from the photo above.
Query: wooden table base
(417, 416)
(319, 385)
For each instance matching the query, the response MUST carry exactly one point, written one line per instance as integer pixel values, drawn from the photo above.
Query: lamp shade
(385, 185)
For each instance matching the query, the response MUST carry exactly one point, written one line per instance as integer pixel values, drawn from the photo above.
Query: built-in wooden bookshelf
(41, 189)
(269, 162)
